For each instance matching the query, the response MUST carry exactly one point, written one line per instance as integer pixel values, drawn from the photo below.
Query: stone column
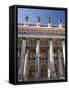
(25, 65)
(52, 68)
(22, 57)
(37, 62)
(63, 49)
(49, 64)
(60, 65)
(26, 21)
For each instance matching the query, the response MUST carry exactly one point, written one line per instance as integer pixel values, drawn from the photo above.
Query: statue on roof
(49, 19)
(59, 20)
(26, 18)
(38, 18)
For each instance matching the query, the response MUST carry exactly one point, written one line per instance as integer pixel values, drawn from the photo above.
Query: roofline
(42, 25)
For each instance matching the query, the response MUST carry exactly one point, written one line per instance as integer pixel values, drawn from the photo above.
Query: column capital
(27, 48)
(38, 39)
(58, 47)
(62, 39)
(24, 38)
(50, 39)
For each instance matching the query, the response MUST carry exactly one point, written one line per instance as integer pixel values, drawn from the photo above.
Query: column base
(20, 77)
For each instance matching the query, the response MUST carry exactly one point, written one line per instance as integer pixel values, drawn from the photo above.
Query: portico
(42, 53)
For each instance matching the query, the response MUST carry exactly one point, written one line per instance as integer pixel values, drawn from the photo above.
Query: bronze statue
(59, 20)
(26, 18)
(38, 18)
(49, 19)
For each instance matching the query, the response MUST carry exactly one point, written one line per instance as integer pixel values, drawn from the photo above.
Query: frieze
(41, 33)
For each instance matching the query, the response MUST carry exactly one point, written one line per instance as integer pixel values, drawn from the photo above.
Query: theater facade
(41, 51)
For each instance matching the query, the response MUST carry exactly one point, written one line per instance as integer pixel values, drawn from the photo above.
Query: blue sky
(33, 13)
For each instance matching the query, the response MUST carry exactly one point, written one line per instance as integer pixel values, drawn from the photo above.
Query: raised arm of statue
(38, 18)
(49, 19)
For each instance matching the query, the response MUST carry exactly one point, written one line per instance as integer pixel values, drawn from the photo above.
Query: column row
(51, 68)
